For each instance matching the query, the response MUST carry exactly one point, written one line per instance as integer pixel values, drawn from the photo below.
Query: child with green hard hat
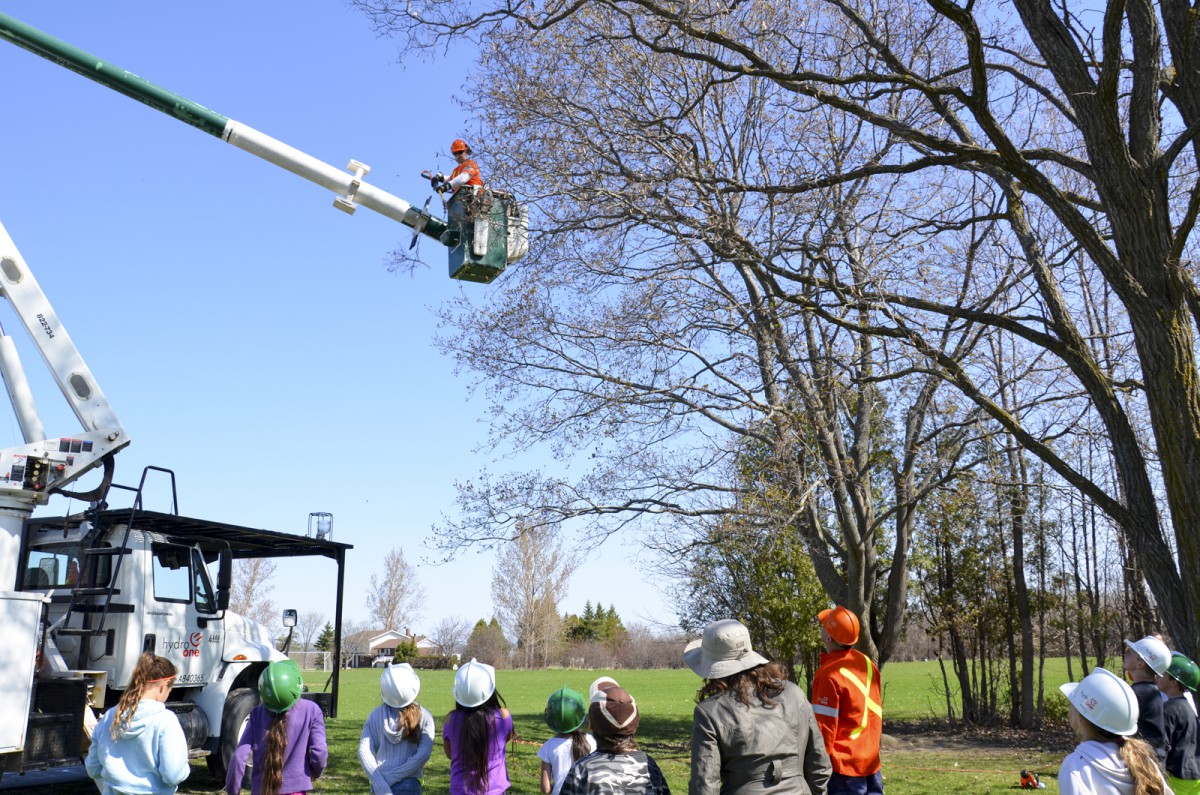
(566, 714)
(286, 734)
(1180, 724)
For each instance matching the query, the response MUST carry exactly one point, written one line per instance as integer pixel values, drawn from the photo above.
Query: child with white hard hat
(476, 733)
(397, 739)
(1108, 760)
(1143, 660)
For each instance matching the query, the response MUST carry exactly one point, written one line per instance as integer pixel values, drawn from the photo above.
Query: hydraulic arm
(500, 221)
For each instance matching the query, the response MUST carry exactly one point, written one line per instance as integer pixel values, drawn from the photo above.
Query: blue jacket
(387, 758)
(304, 757)
(149, 756)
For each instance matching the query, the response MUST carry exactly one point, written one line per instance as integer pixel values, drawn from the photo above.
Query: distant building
(377, 648)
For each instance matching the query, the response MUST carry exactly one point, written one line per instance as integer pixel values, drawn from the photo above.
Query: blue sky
(248, 334)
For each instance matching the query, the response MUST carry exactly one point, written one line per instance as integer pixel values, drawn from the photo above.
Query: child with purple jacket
(286, 734)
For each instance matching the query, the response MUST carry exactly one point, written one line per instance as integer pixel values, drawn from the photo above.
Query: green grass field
(919, 756)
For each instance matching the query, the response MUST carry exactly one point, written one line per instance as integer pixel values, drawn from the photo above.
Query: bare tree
(530, 578)
(251, 592)
(356, 639)
(451, 634)
(394, 597)
(648, 333)
(1082, 122)
(308, 625)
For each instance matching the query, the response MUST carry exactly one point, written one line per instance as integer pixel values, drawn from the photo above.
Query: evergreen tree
(325, 639)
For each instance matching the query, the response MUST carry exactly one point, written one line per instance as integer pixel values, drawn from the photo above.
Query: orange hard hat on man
(459, 145)
(841, 624)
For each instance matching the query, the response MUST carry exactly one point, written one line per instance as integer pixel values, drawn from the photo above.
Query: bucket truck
(83, 596)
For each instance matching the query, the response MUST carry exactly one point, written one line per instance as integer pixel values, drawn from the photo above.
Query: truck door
(183, 600)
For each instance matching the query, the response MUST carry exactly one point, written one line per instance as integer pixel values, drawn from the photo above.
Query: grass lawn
(919, 756)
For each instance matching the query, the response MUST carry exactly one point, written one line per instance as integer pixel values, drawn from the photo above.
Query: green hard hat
(1184, 671)
(280, 685)
(565, 710)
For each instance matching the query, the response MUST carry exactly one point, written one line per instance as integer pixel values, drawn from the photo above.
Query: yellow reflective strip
(871, 705)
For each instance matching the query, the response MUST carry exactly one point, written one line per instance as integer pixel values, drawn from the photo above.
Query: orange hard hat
(841, 624)
(459, 145)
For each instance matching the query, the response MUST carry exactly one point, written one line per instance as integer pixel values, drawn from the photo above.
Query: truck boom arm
(30, 471)
(350, 187)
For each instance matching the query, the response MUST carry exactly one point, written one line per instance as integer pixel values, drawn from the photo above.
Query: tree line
(906, 290)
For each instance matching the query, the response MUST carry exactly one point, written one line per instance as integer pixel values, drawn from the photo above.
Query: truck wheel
(236, 714)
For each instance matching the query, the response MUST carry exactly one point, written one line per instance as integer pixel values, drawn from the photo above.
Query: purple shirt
(497, 767)
(304, 758)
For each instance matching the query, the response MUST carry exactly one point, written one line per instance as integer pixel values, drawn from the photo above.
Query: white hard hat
(1154, 652)
(399, 685)
(1104, 699)
(474, 683)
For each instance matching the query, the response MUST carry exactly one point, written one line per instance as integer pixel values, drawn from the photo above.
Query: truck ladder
(95, 602)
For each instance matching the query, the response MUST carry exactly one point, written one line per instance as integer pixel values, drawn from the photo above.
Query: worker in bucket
(465, 173)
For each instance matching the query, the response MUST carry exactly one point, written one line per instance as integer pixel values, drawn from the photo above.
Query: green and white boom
(482, 237)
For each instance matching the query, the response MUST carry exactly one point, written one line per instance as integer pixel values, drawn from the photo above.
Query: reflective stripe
(869, 703)
(828, 712)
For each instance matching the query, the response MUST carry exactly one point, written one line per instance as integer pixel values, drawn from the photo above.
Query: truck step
(113, 607)
(93, 591)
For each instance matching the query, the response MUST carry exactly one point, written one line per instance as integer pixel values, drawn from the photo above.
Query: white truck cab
(117, 583)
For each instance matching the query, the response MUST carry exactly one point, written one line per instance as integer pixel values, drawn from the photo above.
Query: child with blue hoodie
(397, 738)
(139, 746)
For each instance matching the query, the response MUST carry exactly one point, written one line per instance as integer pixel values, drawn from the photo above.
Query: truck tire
(238, 704)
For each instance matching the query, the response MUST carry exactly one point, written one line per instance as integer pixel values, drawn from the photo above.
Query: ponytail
(476, 727)
(579, 745)
(149, 669)
(1139, 757)
(272, 764)
(409, 719)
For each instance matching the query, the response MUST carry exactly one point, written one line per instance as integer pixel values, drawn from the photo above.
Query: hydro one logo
(188, 648)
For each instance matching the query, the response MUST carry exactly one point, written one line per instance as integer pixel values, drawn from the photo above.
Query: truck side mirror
(224, 578)
(289, 618)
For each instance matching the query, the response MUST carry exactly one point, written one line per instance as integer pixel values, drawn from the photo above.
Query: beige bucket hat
(723, 650)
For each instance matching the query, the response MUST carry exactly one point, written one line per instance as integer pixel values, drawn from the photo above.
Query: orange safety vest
(848, 702)
(468, 167)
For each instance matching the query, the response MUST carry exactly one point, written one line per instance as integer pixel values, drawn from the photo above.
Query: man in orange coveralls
(465, 173)
(847, 700)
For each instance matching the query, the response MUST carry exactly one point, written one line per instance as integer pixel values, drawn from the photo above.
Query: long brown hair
(475, 738)
(410, 723)
(272, 763)
(579, 744)
(148, 669)
(766, 681)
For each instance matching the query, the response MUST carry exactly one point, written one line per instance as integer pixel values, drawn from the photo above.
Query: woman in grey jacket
(752, 730)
